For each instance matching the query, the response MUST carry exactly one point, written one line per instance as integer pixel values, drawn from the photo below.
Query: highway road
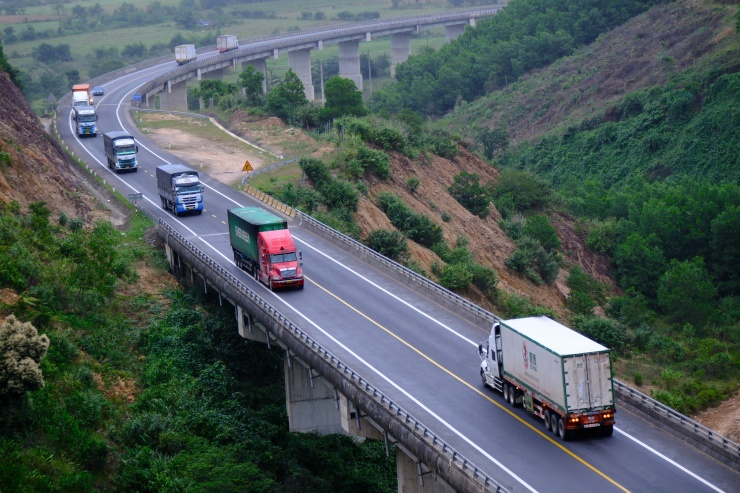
(419, 354)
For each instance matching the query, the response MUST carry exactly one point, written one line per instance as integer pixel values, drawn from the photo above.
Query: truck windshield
(86, 118)
(283, 257)
(184, 189)
(121, 151)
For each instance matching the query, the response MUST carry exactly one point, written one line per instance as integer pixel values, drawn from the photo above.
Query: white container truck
(226, 42)
(185, 54)
(556, 373)
(179, 188)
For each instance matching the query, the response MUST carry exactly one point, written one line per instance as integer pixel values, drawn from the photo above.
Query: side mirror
(137, 148)
(202, 188)
(300, 255)
(480, 349)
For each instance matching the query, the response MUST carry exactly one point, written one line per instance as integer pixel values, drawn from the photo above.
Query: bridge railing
(475, 478)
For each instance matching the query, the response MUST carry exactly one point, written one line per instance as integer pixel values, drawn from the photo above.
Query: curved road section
(418, 353)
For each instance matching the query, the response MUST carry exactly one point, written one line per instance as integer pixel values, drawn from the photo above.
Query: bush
(392, 244)
(539, 228)
(417, 227)
(605, 331)
(456, 277)
(412, 183)
(533, 261)
(524, 191)
(467, 190)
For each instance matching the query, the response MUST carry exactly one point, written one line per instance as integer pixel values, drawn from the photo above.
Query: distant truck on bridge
(185, 54)
(226, 43)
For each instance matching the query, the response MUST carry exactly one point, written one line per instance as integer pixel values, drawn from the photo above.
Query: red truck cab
(280, 265)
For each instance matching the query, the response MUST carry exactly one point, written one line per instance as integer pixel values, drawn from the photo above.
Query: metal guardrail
(713, 443)
(462, 465)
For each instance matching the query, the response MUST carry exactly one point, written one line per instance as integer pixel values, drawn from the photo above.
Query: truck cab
(85, 118)
(120, 151)
(279, 265)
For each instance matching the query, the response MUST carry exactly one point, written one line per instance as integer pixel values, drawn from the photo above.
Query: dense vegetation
(526, 35)
(142, 391)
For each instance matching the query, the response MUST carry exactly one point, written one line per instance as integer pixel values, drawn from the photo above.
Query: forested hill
(636, 132)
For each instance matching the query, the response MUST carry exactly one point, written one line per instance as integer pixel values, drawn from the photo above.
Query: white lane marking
(670, 461)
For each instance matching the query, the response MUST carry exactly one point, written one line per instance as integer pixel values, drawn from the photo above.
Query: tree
(725, 243)
(290, 94)
(467, 190)
(686, 292)
(342, 99)
(522, 190)
(21, 352)
(640, 263)
(252, 81)
(493, 140)
(539, 228)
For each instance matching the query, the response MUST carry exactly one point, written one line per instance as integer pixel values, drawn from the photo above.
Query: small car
(98, 91)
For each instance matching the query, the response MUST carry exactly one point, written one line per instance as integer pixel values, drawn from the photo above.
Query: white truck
(226, 42)
(185, 54)
(180, 189)
(553, 371)
(85, 118)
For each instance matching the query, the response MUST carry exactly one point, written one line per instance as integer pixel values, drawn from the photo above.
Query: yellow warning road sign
(247, 166)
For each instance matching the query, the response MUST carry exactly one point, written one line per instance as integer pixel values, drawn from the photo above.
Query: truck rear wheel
(607, 430)
(512, 396)
(547, 420)
(564, 434)
(554, 418)
(506, 392)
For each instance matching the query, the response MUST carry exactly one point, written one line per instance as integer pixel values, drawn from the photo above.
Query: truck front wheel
(483, 378)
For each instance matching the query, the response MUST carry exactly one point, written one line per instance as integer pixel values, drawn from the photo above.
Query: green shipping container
(245, 223)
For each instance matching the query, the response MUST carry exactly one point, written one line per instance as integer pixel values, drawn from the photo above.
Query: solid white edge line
(671, 461)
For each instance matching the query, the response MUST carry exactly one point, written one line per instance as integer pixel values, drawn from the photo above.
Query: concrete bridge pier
(300, 63)
(400, 49)
(414, 477)
(175, 98)
(453, 31)
(349, 62)
(260, 65)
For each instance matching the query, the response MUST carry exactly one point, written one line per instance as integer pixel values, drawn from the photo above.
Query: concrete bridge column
(349, 62)
(415, 477)
(312, 403)
(175, 97)
(452, 32)
(260, 65)
(212, 74)
(300, 63)
(400, 49)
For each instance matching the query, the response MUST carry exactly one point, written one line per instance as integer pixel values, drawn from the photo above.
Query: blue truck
(180, 189)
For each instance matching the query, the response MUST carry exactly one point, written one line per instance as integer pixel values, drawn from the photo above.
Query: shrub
(22, 349)
(456, 277)
(484, 278)
(539, 228)
(412, 183)
(523, 190)
(377, 162)
(467, 190)
(533, 261)
(392, 244)
(417, 227)
(605, 331)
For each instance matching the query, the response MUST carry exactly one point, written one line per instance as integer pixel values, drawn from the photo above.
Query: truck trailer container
(263, 246)
(81, 95)
(226, 42)
(85, 118)
(180, 189)
(554, 372)
(185, 54)
(120, 151)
